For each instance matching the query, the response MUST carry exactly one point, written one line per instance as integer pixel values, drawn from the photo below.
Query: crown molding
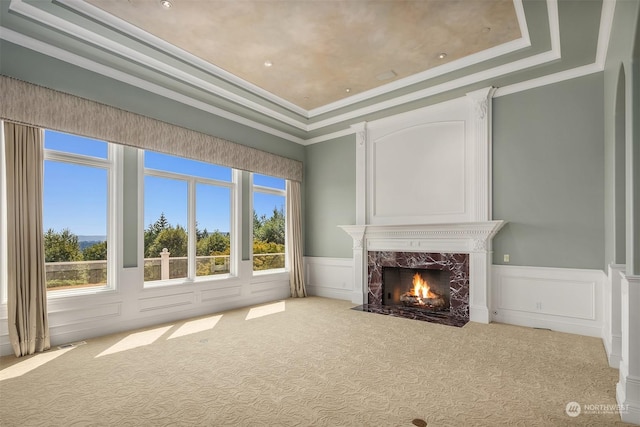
(485, 55)
(553, 54)
(108, 45)
(123, 26)
(87, 64)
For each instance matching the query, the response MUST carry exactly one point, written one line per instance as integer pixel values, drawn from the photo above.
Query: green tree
(174, 239)
(269, 229)
(95, 252)
(215, 243)
(257, 224)
(272, 230)
(201, 234)
(60, 247)
(152, 232)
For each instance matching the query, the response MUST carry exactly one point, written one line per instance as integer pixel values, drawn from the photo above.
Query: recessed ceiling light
(348, 90)
(268, 63)
(166, 4)
(442, 55)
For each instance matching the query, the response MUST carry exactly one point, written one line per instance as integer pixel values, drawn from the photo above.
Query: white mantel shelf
(458, 237)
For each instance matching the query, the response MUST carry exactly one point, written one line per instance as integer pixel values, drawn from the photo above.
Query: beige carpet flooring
(317, 363)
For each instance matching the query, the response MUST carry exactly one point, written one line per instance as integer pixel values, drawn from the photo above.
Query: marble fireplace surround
(457, 265)
(473, 238)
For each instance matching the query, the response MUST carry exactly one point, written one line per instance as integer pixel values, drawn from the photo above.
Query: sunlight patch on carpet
(30, 364)
(195, 326)
(265, 310)
(138, 339)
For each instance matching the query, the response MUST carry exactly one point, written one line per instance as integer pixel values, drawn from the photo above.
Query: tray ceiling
(313, 53)
(303, 70)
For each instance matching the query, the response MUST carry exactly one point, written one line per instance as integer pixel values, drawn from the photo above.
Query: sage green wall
(622, 131)
(130, 207)
(330, 197)
(548, 175)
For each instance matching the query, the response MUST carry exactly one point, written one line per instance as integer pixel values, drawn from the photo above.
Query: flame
(421, 287)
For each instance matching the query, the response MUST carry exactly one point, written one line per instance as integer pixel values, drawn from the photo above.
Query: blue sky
(75, 197)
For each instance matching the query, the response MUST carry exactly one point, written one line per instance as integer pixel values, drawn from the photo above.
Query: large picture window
(78, 174)
(269, 222)
(188, 218)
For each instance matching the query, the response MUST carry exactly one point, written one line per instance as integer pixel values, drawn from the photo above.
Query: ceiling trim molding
(120, 25)
(19, 6)
(548, 80)
(328, 136)
(606, 22)
(604, 35)
(127, 28)
(72, 58)
(135, 32)
(32, 12)
(485, 55)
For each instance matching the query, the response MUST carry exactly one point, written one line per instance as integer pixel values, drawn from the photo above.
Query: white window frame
(276, 192)
(191, 181)
(114, 179)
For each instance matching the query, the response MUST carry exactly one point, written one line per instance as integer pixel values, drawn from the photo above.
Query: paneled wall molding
(628, 387)
(329, 277)
(34, 105)
(431, 165)
(560, 299)
(76, 318)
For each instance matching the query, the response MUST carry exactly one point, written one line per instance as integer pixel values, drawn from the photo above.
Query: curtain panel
(294, 240)
(27, 289)
(46, 108)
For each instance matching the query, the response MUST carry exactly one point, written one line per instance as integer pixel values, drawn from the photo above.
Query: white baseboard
(560, 299)
(329, 277)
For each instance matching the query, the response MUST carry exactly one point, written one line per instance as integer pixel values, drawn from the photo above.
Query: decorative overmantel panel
(423, 184)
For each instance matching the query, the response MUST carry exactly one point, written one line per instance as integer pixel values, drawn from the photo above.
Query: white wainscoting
(76, 318)
(560, 299)
(329, 277)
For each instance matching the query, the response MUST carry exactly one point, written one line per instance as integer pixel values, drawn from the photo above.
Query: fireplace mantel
(473, 238)
(423, 184)
(465, 235)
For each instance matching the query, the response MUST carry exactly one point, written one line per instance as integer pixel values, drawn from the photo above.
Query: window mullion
(191, 238)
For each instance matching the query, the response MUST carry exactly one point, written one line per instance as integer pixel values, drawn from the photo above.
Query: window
(77, 206)
(269, 201)
(188, 218)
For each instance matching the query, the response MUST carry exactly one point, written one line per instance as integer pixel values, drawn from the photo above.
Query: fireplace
(416, 287)
(461, 249)
(392, 287)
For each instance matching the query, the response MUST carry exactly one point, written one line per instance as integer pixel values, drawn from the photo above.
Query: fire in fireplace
(420, 288)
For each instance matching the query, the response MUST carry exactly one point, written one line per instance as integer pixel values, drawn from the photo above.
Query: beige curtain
(27, 291)
(294, 240)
